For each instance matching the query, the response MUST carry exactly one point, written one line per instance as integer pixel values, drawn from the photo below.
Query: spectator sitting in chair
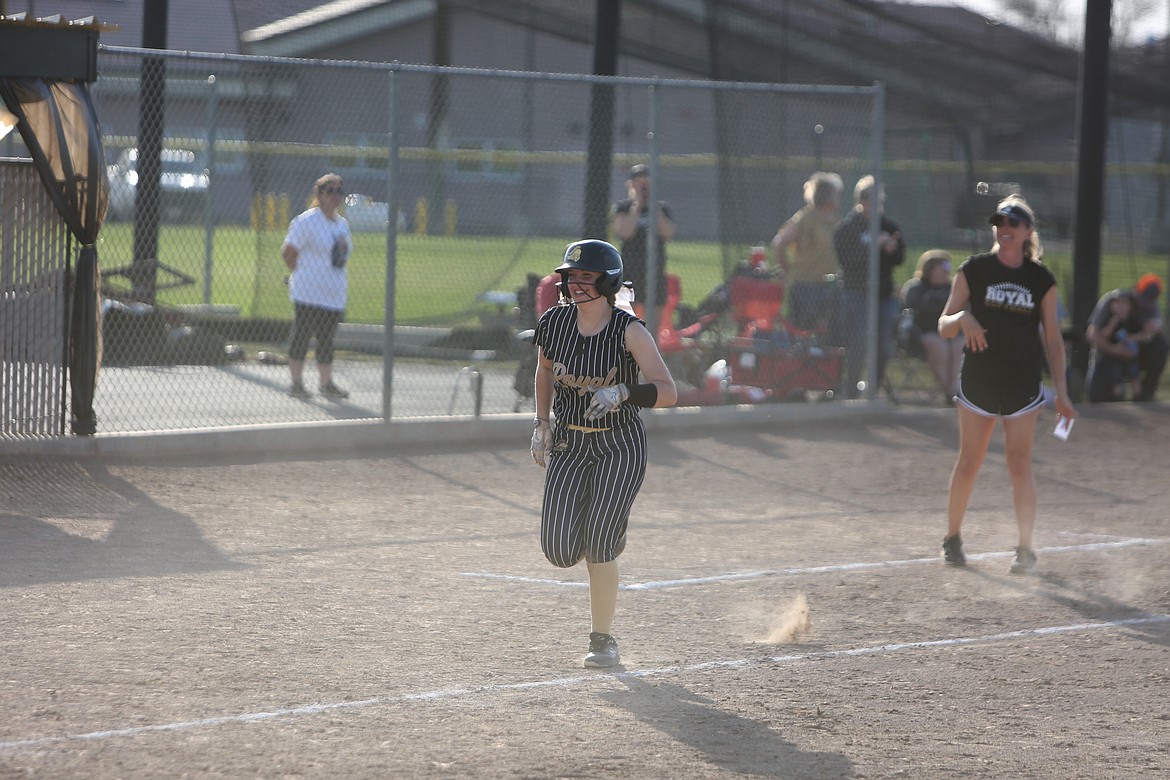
(1123, 365)
(926, 295)
(1122, 318)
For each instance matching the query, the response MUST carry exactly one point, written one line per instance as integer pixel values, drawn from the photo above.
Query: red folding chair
(769, 351)
(755, 303)
(547, 294)
(669, 339)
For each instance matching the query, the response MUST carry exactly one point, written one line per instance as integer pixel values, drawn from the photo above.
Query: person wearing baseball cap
(1014, 210)
(630, 219)
(1003, 303)
(1110, 358)
(1149, 287)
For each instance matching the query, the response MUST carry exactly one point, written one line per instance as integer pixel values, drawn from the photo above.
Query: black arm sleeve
(644, 395)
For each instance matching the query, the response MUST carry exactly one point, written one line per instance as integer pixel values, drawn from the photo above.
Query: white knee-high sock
(603, 590)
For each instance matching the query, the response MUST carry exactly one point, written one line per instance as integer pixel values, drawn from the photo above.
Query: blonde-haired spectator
(803, 247)
(1003, 304)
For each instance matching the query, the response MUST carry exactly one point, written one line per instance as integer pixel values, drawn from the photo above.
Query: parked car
(364, 214)
(184, 184)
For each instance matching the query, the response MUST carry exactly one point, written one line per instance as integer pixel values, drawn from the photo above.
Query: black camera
(340, 252)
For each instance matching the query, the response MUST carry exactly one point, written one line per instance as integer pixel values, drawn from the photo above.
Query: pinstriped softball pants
(588, 492)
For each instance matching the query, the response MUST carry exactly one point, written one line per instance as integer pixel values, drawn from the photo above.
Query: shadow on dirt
(91, 525)
(1093, 605)
(727, 741)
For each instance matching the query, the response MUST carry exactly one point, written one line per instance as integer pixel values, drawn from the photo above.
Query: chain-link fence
(492, 173)
(34, 267)
(492, 177)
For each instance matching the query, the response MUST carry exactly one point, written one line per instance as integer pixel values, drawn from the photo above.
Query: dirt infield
(390, 615)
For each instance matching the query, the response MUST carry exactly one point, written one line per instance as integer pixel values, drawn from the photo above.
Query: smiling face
(583, 285)
(1010, 232)
(1012, 225)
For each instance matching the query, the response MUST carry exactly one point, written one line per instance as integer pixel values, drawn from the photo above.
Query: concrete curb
(338, 437)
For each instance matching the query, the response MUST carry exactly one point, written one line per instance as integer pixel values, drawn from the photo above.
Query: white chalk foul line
(568, 682)
(838, 567)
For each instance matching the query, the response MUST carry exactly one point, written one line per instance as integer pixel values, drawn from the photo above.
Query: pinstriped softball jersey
(593, 475)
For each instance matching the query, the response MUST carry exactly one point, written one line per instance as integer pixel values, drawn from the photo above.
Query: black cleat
(603, 651)
(953, 551)
(333, 392)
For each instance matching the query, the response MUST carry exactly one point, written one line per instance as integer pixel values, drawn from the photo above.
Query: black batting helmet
(594, 255)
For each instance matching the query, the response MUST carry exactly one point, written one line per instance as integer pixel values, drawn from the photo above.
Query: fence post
(873, 283)
(652, 292)
(475, 387)
(392, 142)
(208, 203)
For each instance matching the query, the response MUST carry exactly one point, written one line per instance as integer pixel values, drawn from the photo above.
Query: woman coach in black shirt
(1004, 304)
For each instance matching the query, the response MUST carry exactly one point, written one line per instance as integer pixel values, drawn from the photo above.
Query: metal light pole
(600, 155)
(1093, 127)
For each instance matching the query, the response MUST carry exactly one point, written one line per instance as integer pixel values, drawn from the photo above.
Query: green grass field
(439, 278)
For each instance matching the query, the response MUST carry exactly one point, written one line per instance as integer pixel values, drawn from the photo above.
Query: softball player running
(587, 374)
(1004, 304)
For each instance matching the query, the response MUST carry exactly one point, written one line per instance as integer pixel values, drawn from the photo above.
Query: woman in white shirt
(316, 251)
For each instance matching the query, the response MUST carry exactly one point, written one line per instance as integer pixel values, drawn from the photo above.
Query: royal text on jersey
(583, 384)
(1009, 295)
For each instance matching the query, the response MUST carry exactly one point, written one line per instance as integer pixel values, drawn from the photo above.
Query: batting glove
(606, 400)
(541, 441)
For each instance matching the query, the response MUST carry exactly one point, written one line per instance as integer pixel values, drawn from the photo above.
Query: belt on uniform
(583, 429)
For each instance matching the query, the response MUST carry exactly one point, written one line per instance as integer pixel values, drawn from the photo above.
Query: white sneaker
(1025, 561)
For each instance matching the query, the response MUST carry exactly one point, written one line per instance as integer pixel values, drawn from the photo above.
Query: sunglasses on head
(333, 190)
(999, 219)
